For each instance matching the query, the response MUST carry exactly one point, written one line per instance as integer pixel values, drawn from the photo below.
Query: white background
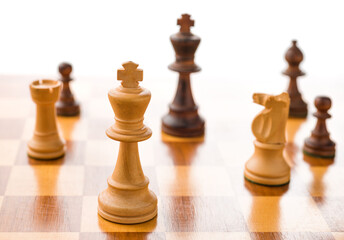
(241, 40)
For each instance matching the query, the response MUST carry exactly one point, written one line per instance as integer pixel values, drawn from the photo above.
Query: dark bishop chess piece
(294, 56)
(66, 106)
(319, 143)
(183, 119)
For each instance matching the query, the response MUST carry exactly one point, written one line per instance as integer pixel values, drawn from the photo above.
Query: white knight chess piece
(267, 166)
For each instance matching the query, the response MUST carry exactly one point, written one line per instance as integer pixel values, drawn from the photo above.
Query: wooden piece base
(115, 210)
(319, 152)
(67, 110)
(298, 110)
(168, 138)
(180, 126)
(46, 155)
(267, 166)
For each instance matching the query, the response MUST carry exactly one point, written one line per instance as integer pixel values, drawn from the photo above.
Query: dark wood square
(40, 214)
(332, 210)
(4, 174)
(202, 214)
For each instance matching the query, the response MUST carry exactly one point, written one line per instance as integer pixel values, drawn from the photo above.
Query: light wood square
(235, 153)
(193, 181)
(101, 152)
(102, 108)
(92, 222)
(15, 108)
(28, 128)
(39, 236)
(8, 151)
(146, 152)
(278, 214)
(46, 180)
(207, 235)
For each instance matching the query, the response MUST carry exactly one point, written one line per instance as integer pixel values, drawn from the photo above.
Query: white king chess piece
(127, 199)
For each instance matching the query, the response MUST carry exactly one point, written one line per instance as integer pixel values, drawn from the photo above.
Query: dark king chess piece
(66, 106)
(183, 119)
(319, 143)
(294, 56)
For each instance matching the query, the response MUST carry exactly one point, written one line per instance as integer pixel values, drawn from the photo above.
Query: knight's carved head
(269, 101)
(269, 125)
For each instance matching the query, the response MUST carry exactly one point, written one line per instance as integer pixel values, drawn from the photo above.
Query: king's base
(67, 109)
(46, 155)
(127, 206)
(267, 166)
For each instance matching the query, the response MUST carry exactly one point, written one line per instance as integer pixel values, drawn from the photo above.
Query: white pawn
(127, 199)
(46, 142)
(268, 166)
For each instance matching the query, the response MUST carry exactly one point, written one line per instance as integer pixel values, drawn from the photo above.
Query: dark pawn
(66, 106)
(183, 119)
(319, 143)
(294, 56)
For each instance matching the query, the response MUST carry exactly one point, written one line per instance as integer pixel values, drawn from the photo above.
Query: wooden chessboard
(200, 186)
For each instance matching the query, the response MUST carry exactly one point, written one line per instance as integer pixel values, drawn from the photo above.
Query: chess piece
(46, 142)
(267, 166)
(127, 199)
(66, 106)
(294, 56)
(319, 143)
(183, 119)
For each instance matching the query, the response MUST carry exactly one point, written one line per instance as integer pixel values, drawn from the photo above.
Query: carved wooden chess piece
(46, 142)
(127, 199)
(268, 166)
(66, 106)
(294, 56)
(319, 143)
(183, 119)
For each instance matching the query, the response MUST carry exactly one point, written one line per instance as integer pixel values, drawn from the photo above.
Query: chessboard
(202, 193)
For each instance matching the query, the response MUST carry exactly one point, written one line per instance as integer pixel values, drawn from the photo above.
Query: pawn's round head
(322, 103)
(65, 69)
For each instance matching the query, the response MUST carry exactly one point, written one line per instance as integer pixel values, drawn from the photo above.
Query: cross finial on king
(185, 23)
(130, 75)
